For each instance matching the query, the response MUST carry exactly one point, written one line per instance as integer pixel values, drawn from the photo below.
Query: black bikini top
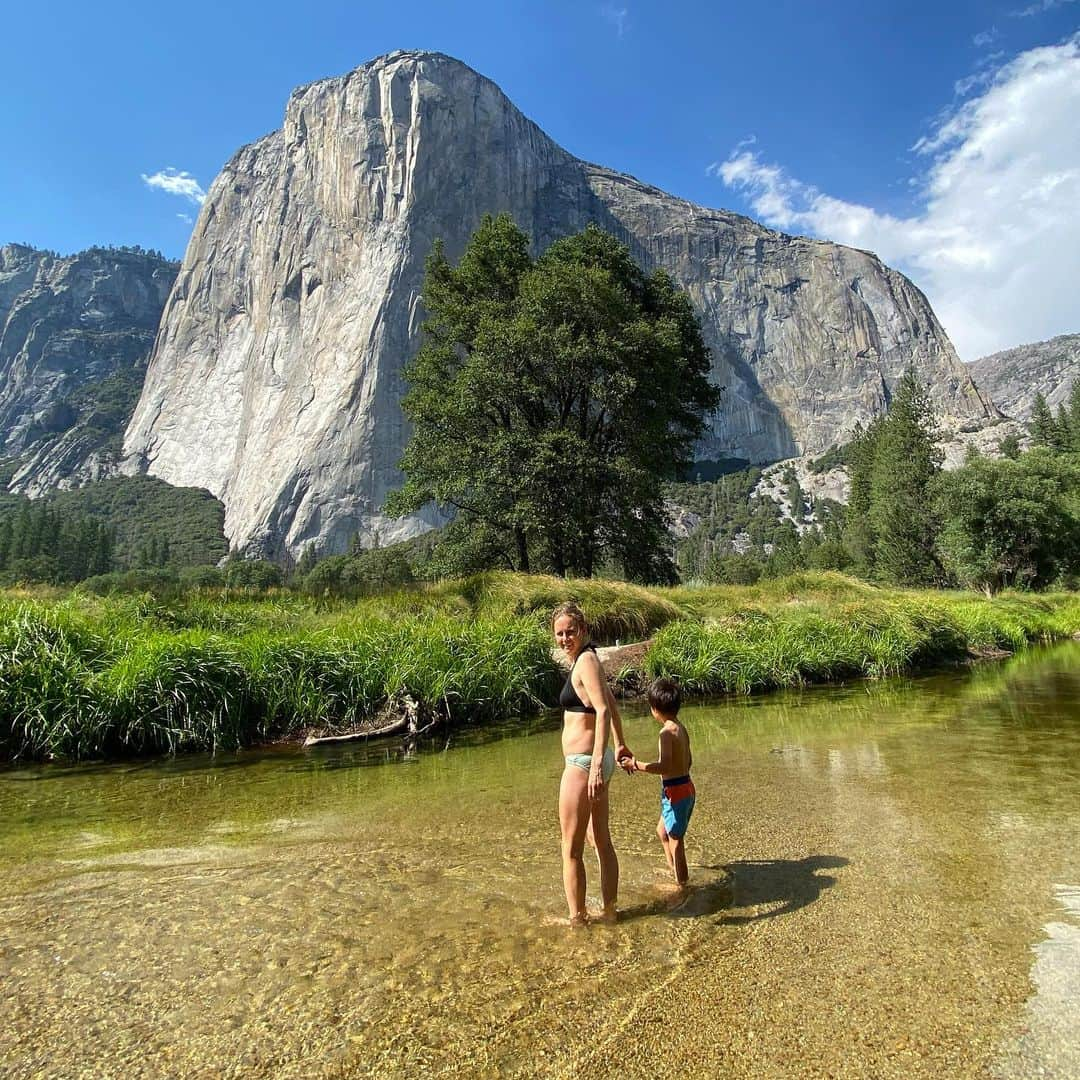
(568, 697)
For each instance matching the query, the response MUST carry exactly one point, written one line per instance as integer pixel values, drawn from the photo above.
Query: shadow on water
(781, 886)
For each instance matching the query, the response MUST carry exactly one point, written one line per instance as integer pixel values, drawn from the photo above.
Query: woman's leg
(574, 820)
(600, 838)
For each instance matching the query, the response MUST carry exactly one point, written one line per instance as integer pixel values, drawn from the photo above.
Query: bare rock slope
(75, 335)
(276, 376)
(1013, 377)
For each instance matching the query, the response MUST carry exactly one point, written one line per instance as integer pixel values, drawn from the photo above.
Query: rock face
(1015, 376)
(75, 336)
(276, 376)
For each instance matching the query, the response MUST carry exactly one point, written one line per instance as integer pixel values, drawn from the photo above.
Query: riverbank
(89, 677)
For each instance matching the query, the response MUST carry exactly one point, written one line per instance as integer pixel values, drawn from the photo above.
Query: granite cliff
(75, 335)
(276, 374)
(1013, 377)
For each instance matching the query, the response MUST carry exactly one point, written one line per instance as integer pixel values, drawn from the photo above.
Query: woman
(588, 710)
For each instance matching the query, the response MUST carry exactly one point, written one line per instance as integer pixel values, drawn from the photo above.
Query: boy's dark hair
(665, 697)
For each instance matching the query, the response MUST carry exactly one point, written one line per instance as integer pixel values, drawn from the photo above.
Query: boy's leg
(600, 838)
(662, 833)
(573, 821)
(677, 857)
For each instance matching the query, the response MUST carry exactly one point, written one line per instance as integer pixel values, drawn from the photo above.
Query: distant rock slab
(67, 324)
(276, 377)
(1015, 376)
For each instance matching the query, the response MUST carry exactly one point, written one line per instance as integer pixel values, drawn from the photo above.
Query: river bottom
(877, 872)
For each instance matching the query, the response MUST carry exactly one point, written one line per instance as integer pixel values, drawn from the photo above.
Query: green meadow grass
(84, 676)
(787, 636)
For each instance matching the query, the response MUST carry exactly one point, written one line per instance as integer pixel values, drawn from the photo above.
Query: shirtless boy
(673, 766)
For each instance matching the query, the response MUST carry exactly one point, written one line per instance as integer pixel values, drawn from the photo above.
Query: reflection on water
(1049, 1043)
(871, 868)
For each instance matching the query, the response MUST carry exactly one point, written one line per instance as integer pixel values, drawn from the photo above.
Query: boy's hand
(622, 751)
(628, 763)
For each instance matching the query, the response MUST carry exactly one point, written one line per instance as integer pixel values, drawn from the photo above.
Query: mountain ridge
(276, 375)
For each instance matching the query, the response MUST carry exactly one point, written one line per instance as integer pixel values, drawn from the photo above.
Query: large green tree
(551, 399)
(1010, 523)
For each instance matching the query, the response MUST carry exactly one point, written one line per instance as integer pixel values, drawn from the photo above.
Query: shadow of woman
(780, 886)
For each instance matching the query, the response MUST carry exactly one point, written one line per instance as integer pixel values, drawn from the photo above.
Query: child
(677, 789)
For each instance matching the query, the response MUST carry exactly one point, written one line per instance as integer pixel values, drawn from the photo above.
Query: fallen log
(403, 712)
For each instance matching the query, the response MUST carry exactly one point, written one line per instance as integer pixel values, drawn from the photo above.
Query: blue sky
(866, 122)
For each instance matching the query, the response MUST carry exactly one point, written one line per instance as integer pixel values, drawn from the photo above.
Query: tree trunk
(523, 550)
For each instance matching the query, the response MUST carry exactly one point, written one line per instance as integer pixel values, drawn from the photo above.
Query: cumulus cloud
(995, 243)
(177, 182)
(615, 16)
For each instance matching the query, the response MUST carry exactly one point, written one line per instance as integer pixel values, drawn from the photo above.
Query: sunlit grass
(88, 676)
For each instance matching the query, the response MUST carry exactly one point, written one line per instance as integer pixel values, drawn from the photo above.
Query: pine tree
(859, 537)
(794, 494)
(1074, 416)
(1062, 432)
(1041, 425)
(906, 459)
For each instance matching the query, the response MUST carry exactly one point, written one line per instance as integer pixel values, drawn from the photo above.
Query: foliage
(252, 574)
(40, 543)
(1010, 523)
(1009, 447)
(733, 569)
(551, 398)
(729, 514)
(834, 458)
(796, 499)
(362, 572)
(142, 509)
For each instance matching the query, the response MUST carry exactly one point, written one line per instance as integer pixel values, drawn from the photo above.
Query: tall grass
(85, 676)
(143, 688)
(820, 639)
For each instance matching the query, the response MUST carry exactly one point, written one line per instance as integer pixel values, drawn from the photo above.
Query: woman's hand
(596, 781)
(625, 759)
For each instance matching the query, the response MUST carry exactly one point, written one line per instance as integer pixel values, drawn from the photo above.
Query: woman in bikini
(588, 711)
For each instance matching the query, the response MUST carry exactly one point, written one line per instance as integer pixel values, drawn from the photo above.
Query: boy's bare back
(675, 750)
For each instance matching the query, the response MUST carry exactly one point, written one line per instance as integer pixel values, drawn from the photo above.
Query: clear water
(886, 882)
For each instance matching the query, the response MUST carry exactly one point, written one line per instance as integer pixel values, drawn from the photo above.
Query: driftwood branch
(401, 716)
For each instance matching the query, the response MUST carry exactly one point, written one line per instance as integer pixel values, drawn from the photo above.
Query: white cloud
(996, 242)
(1039, 8)
(177, 182)
(186, 218)
(615, 16)
(985, 37)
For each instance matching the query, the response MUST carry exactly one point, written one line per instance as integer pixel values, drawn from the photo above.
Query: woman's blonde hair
(571, 609)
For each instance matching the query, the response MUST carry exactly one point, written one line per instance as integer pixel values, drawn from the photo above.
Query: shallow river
(885, 882)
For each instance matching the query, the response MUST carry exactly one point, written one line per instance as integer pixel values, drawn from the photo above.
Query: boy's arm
(662, 765)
